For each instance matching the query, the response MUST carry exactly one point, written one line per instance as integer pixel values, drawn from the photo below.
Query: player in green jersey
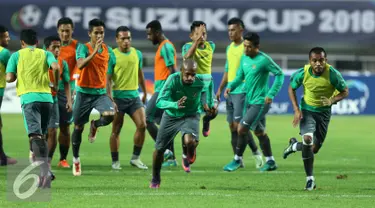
(255, 68)
(4, 57)
(181, 99)
(323, 86)
(29, 66)
(236, 99)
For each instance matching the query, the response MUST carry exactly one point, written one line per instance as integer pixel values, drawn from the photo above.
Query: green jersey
(174, 89)
(255, 71)
(4, 58)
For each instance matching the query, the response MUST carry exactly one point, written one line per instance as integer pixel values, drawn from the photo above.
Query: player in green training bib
(123, 78)
(202, 51)
(4, 57)
(323, 86)
(236, 99)
(181, 99)
(255, 68)
(53, 44)
(29, 66)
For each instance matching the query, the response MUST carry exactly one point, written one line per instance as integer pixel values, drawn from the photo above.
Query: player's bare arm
(172, 69)
(11, 77)
(142, 84)
(56, 71)
(68, 97)
(197, 38)
(335, 99)
(297, 111)
(223, 83)
(82, 62)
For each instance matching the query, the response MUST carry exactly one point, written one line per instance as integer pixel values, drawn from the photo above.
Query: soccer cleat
(63, 164)
(206, 127)
(154, 184)
(192, 159)
(168, 155)
(233, 165)
(116, 165)
(93, 130)
(77, 171)
(169, 163)
(258, 161)
(270, 165)
(186, 165)
(289, 149)
(310, 185)
(45, 181)
(138, 163)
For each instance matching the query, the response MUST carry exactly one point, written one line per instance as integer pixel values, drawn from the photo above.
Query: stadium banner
(361, 100)
(289, 21)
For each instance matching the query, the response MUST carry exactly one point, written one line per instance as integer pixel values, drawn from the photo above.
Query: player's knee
(259, 133)
(64, 130)
(316, 148)
(241, 129)
(78, 127)
(233, 126)
(141, 126)
(307, 139)
(52, 131)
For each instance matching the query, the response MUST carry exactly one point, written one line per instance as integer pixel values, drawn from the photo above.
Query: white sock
(167, 151)
(310, 177)
(270, 158)
(294, 147)
(257, 153)
(236, 157)
(184, 156)
(135, 157)
(76, 160)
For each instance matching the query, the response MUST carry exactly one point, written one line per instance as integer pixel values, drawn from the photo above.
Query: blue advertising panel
(286, 21)
(361, 100)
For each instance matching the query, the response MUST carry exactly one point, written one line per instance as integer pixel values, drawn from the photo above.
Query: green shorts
(84, 103)
(65, 117)
(54, 117)
(315, 123)
(36, 117)
(235, 105)
(128, 105)
(170, 126)
(153, 114)
(255, 117)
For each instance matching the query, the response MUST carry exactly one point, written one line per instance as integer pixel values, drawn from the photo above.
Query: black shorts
(36, 116)
(153, 114)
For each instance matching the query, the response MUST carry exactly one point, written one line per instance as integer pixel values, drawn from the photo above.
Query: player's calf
(105, 119)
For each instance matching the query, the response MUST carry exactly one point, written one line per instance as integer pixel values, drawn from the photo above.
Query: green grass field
(348, 150)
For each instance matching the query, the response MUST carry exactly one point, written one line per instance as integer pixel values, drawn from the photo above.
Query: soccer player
(53, 44)
(236, 99)
(92, 61)
(4, 57)
(323, 86)
(165, 62)
(29, 66)
(181, 99)
(125, 73)
(68, 50)
(255, 67)
(202, 51)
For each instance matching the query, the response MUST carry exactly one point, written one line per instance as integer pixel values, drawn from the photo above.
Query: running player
(181, 99)
(92, 61)
(29, 66)
(236, 99)
(255, 67)
(53, 44)
(323, 86)
(202, 51)
(4, 57)
(125, 73)
(68, 49)
(165, 64)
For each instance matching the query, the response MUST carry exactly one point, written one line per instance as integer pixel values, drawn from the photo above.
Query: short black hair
(122, 29)
(96, 23)
(155, 26)
(29, 36)
(65, 21)
(196, 24)
(253, 38)
(48, 40)
(3, 29)
(317, 50)
(236, 21)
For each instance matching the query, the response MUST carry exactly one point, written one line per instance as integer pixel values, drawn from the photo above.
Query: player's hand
(181, 102)
(98, 45)
(226, 93)
(268, 100)
(69, 107)
(297, 117)
(144, 98)
(326, 101)
(198, 37)
(115, 106)
(218, 95)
